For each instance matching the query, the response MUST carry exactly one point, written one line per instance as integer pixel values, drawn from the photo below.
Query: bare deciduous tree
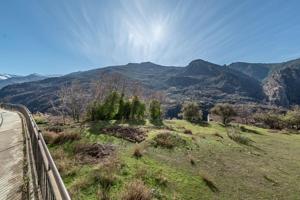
(71, 101)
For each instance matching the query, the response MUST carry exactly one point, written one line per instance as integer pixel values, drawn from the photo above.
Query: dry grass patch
(168, 140)
(238, 137)
(64, 164)
(60, 138)
(136, 190)
(137, 151)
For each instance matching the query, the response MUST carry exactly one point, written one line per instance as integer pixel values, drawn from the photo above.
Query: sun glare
(157, 31)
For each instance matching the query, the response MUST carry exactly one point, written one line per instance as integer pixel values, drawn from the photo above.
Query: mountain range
(201, 81)
(9, 79)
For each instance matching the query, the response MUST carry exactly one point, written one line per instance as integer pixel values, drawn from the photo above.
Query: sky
(63, 36)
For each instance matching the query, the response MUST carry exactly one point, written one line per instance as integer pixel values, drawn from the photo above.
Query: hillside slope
(13, 79)
(200, 80)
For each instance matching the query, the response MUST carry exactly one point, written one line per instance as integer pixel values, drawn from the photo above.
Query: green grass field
(208, 164)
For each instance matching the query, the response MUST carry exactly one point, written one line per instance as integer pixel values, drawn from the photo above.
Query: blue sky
(58, 37)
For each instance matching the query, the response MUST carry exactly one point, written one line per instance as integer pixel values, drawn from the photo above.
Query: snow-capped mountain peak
(5, 76)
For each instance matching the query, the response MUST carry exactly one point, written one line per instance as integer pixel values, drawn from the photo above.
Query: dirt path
(11, 156)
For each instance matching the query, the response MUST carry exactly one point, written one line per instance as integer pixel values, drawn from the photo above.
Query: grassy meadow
(177, 160)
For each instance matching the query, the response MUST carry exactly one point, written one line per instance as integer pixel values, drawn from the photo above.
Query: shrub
(192, 160)
(191, 112)
(247, 130)
(225, 111)
(243, 129)
(65, 165)
(40, 120)
(104, 178)
(137, 151)
(237, 137)
(49, 136)
(292, 118)
(218, 135)
(55, 128)
(188, 132)
(168, 140)
(138, 109)
(270, 119)
(65, 137)
(155, 112)
(160, 179)
(136, 190)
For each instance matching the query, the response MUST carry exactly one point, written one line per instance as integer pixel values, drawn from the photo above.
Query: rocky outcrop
(283, 86)
(275, 90)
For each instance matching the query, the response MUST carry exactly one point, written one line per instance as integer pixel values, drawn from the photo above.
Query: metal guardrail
(50, 184)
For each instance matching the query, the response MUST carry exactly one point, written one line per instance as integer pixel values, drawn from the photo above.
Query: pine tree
(155, 112)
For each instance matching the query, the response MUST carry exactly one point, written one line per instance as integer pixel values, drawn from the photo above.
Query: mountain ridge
(200, 81)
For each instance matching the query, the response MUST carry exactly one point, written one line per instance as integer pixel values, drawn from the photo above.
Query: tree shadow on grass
(247, 130)
(130, 122)
(158, 123)
(96, 126)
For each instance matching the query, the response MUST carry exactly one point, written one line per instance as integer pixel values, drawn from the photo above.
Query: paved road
(11, 156)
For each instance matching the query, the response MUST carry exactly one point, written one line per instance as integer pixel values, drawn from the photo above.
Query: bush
(270, 119)
(65, 137)
(191, 112)
(55, 128)
(115, 107)
(138, 109)
(137, 151)
(40, 120)
(225, 111)
(292, 118)
(60, 138)
(155, 112)
(168, 140)
(237, 137)
(136, 190)
(160, 179)
(188, 132)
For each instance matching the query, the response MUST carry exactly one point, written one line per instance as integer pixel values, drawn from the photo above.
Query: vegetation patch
(60, 138)
(238, 137)
(188, 132)
(168, 140)
(128, 133)
(93, 153)
(136, 190)
(55, 128)
(137, 151)
(218, 135)
(247, 130)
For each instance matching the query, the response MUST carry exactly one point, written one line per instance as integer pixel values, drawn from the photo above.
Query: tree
(111, 105)
(225, 111)
(121, 110)
(72, 100)
(270, 119)
(138, 108)
(292, 118)
(155, 112)
(127, 110)
(191, 112)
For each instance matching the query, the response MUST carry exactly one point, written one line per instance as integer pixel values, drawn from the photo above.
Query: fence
(49, 183)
